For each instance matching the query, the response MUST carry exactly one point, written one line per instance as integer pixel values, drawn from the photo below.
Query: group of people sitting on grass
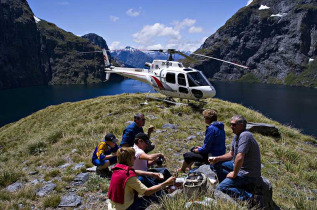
(131, 175)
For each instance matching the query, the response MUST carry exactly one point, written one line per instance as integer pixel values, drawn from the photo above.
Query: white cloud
(185, 23)
(115, 45)
(262, 7)
(249, 2)
(133, 13)
(194, 29)
(113, 18)
(149, 32)
(155, 47)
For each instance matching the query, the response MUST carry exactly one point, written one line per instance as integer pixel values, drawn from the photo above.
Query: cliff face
(276, 42)
(19, 46)
(36, 52)
(62, 59)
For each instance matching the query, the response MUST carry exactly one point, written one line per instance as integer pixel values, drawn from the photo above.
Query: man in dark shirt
(242, 165)
(133, 129)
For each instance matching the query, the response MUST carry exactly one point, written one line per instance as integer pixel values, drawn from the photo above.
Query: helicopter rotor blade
(246, 67)
(184, 55)
(89, 52)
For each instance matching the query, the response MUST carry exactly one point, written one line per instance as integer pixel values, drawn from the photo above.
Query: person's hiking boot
(257, 202)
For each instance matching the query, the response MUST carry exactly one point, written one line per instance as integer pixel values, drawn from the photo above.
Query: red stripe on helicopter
(159, 84)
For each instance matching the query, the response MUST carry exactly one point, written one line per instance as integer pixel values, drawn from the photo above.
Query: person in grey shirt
(242, 165)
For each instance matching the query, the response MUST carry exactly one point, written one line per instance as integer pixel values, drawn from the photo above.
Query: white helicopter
(169, 77)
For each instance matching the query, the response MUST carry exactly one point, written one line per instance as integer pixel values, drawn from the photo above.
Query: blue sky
(142, 24)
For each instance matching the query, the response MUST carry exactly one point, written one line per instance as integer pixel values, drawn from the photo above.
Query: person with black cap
(105, 153)
(143, 160)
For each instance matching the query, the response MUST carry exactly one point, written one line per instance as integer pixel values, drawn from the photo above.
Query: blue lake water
(295, 106)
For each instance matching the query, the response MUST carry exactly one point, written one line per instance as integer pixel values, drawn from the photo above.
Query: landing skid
(168, 100)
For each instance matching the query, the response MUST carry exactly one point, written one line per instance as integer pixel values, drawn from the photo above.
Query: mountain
(99, 41)
(20, 62)
(131, 57)
(137, 58)
(276, 39)
(36, 52)
(62, 59)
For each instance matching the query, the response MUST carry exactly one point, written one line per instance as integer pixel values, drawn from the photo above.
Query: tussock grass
(46, 139)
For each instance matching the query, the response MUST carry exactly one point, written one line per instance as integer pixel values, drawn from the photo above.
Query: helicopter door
(182, 85)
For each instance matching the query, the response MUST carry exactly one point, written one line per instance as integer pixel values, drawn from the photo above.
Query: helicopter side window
(157, 67)
(197, 79)
(170, 78)
(181, 79)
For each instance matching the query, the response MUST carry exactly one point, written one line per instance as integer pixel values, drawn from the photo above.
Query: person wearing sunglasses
(242, 165)
(133, 129)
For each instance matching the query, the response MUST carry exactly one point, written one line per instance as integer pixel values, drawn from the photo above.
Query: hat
(111, 137)
(144, 137)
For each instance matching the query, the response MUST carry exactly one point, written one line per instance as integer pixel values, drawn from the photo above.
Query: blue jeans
(97, 162)
(233, 187)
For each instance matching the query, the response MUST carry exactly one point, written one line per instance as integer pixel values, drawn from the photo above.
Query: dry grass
(48, 137)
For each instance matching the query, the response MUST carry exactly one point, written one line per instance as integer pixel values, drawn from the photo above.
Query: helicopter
(169, 77)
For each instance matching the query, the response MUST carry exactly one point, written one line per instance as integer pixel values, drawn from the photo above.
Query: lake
(294, 106)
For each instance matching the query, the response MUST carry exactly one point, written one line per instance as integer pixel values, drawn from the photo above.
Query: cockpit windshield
(197, 79)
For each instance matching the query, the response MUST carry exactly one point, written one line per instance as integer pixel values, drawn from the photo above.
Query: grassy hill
(68, 133)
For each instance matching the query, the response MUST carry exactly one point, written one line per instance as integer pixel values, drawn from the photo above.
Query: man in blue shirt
(214, 143)
(133, 129)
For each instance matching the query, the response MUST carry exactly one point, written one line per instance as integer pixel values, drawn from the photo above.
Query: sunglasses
(142, 119)
(233, 124)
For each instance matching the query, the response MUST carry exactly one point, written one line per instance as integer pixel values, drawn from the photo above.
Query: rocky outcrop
(277, 41)
(19, 46)
(62, 58)
(36, 52)
(97, 40)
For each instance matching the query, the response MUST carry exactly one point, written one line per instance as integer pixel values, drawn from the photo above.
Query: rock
(264, 129)
(159, 131)
(152, 117)
(92, 169)
(78, 166)
(314, 191)
(200, 133)
(314, 144)
(81, 179)
(15, 187)
(35, 182)
(33, 172)
(191, 138)
(74, 150)
(205, 169)
(224, 197)
(129, 122)
(170, 126)
(64, 166)
(46, 189)
(70, 200)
